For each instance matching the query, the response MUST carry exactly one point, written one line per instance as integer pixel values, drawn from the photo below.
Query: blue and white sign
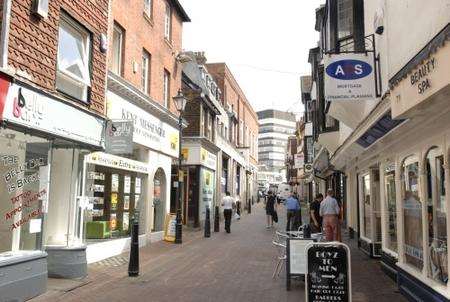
(349, 77)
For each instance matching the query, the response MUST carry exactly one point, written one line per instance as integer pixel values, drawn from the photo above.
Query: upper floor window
(117, 50)
(148, 9)
(166, 88)
(145, 77)
(74, 56)
(168, 22)
(344, 18)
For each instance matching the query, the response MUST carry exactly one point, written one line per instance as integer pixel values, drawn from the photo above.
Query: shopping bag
(275, 216)
(237, 216)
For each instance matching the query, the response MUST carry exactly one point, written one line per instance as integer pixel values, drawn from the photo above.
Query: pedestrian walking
(329, 211)
(228, 204)
(271, 212)
(298, 214)
(292, 207)
(315, 220)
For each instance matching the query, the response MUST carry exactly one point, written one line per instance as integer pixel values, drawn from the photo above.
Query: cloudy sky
(265, 44)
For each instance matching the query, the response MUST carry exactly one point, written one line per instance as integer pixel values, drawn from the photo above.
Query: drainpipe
(5, 34)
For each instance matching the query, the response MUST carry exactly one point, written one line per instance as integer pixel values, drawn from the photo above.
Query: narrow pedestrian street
(225, 267)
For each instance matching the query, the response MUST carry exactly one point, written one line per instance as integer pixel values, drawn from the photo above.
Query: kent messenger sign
(349, 77)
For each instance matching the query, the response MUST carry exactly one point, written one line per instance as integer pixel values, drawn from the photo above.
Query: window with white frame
(168, 22)
(117, 50)
(166, 88)
(74, 56)
(148, 7)
(344, 18)
(391, 209)
(145, 76)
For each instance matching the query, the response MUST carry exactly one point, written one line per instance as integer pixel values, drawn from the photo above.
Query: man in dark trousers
(228, 204)
(292, 207)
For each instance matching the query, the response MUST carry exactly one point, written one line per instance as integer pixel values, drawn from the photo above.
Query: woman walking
(270, 210)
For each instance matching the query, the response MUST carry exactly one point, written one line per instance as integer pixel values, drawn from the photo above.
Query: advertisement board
(349, 77)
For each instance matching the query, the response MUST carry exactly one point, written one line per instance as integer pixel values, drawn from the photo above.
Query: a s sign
(348, 69)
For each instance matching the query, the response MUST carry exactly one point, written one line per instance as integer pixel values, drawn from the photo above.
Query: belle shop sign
(349, 77)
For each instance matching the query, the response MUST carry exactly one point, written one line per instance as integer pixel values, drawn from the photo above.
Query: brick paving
(226, 267)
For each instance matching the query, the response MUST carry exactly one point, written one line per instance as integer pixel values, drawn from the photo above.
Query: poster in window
(136, 201)
(113, 222)
(137, 189)
(114, 182)
(114, 201)
(127, 185)
(99, 188)
(99, 200)
(126, 221)
(126, 202)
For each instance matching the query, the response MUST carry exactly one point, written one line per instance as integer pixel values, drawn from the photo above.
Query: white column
(399, 208)
(384, 220)
(447, 202)
(423, 198)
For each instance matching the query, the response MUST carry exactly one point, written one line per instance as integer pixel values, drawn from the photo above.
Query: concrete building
(385, 151)
(275, 127)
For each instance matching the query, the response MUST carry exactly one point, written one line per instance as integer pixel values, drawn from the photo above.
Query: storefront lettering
(143, 123)
(26, 202)
(22, 168)
(19, 183)
(419, 77)
(26, 219)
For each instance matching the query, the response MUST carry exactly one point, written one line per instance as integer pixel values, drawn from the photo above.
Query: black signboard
(328, 277)
(119, 137)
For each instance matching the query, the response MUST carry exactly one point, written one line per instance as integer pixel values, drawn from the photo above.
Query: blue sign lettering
(348, 69)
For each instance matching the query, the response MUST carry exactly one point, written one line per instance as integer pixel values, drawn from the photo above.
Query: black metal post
(207, 223)
(249, 206)
(179, 225)
(133, 264)
(216, 219)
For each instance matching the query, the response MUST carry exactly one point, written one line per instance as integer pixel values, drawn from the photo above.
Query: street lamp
(180, 104)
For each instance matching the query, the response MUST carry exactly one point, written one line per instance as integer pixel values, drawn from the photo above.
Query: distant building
(275, 127)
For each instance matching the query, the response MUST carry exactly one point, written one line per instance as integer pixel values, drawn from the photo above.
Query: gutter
(5, 33)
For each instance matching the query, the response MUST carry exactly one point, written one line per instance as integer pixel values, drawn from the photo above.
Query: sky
(264, 43)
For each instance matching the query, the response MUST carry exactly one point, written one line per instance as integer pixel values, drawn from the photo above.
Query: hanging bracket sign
(328, 272)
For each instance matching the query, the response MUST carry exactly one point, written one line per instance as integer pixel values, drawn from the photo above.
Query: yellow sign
(169, 227)
(174, 141)
(185, 153)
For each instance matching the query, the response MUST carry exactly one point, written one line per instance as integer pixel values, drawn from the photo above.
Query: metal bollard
(207, 223)
(216, 219)
(306, 231)
(133, 264)
(249, 206)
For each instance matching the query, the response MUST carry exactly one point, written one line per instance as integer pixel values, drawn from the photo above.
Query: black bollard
(207, 223)
(133, 265)
(216, 220)
(249, 206)
(306, 231)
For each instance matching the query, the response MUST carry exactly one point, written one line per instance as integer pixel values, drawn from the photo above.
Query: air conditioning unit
(308, 168)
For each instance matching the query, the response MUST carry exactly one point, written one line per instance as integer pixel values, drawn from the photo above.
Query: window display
(391, 210)
(412, 214)
(366, 206)
(25, 170)
(437, 216)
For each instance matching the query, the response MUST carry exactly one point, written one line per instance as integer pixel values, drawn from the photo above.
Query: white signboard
(108, 160)
(297, 256)
(148, 130)
(299, 161)
(34, 110)
(349, 77)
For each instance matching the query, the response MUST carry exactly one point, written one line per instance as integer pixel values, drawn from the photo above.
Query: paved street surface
(226, 267)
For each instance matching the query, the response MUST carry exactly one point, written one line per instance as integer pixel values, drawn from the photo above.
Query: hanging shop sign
(328, 272)
(197, 155)
(119, 137)
(31, 109)
(299, 160)
(207, 189)
(296, 258)
(148, 130)
(349, 77)
(208, 159)
(112, 161)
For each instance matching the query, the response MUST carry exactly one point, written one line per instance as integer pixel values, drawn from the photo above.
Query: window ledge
(148, 18)
(168, 42)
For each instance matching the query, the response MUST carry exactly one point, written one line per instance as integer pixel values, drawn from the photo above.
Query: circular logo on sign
(348, 69)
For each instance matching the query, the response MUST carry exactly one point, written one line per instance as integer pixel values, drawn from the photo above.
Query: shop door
(159, 200)
(193, 196)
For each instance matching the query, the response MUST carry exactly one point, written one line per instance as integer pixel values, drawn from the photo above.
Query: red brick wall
(146, 33)
(33, 43)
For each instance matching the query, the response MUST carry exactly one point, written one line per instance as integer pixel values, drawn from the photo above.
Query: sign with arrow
(328, 272)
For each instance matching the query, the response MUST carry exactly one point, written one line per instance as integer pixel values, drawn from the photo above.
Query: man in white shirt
(228, 204)
(329, 210)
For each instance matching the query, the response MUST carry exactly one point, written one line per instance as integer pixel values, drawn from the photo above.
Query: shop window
(166, 88)
(117, 49)
(391, 210)
(437, 216)
(367, 208)
(74, 46)
(25, 171)
(412, 213)
(145, 74)
(168, 23)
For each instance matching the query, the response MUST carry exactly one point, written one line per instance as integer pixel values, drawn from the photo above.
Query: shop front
(199, 166)
(41, 158)
(129, 184)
